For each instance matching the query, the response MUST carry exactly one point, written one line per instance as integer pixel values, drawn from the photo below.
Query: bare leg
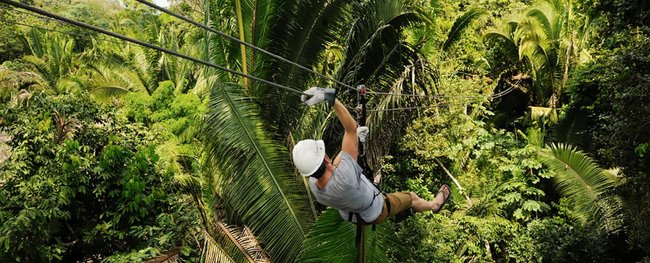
(420, 205)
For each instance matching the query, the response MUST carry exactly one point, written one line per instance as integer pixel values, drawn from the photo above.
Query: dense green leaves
(95, 133)
(581, 180)
(461, 23)
(82, 183)
(608, 115)
(332, 239)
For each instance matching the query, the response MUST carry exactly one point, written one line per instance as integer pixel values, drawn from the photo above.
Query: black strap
(387, 203)
(359, 218)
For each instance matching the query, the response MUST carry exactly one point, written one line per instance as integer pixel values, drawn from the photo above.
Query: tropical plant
(53, 58)
(14, 81)
(460, 25)
(589, 187)
(260, 186)
(330, 227)
(549, 39)
(609, 116)
(82, 184)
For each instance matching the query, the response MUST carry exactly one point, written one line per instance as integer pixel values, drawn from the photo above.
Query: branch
(460, 188)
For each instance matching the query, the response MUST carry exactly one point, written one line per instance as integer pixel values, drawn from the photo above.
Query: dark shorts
(399, 202)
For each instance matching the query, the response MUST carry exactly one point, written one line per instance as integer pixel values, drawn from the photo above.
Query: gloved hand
(362, 133)
(315, 95)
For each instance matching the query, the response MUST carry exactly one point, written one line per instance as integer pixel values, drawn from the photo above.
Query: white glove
(362, 133)
(315, 95)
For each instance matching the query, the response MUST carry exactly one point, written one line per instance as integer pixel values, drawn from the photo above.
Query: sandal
(444, 201)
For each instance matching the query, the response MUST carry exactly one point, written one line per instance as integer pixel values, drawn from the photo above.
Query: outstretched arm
(349, 144)
(315, 95)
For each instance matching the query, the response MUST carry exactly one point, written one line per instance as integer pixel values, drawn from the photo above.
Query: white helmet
(308, 155)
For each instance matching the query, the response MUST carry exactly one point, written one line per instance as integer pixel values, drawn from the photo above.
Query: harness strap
(371, 202)
(387, 203)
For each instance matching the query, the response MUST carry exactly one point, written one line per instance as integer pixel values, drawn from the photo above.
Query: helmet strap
(321, 170)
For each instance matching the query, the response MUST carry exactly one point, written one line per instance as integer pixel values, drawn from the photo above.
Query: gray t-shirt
(348, 190)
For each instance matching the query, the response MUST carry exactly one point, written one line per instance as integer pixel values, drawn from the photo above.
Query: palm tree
(548, 39)
(53, 59)
(248, 131)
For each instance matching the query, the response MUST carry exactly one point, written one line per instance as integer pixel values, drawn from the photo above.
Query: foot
(441, 198)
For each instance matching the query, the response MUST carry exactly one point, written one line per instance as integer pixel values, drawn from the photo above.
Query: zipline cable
(493, 96)
(41, 28)
(222, 34)
(141, 43)
(51, 16)
(50, 29)
(188, 20)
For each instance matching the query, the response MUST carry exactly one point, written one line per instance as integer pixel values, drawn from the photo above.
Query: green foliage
(254, 173)
(462, 238)
(461, 23)
(319, 245)
(81, 184)
(617, 14)
(11, 47)
(609, 114)
(53, 58)
(488, 164)
(581, 180)
(511, 214)
(557, 240)
(368, 36)
(548, 41)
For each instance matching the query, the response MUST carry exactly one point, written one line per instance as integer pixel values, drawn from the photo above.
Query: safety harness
(362, 160)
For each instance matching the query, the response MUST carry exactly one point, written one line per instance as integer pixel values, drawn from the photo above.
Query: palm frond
(212, 251)
(109, 91)
(414, 77)
(376, 31)
(377, 57)
(258, 15)
(505, 34)
(300, 35)
(42, 69)
(238, 244)
(544, 17)
(333, 240)
(581, 180)
(170, 256)
(460, 25)
(12, 81)
(260, 186)
(253, 246)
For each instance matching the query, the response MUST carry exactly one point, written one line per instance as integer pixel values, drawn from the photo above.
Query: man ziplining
(340, 183)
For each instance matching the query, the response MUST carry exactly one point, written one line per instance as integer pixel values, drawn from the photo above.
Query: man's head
(310, 159)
